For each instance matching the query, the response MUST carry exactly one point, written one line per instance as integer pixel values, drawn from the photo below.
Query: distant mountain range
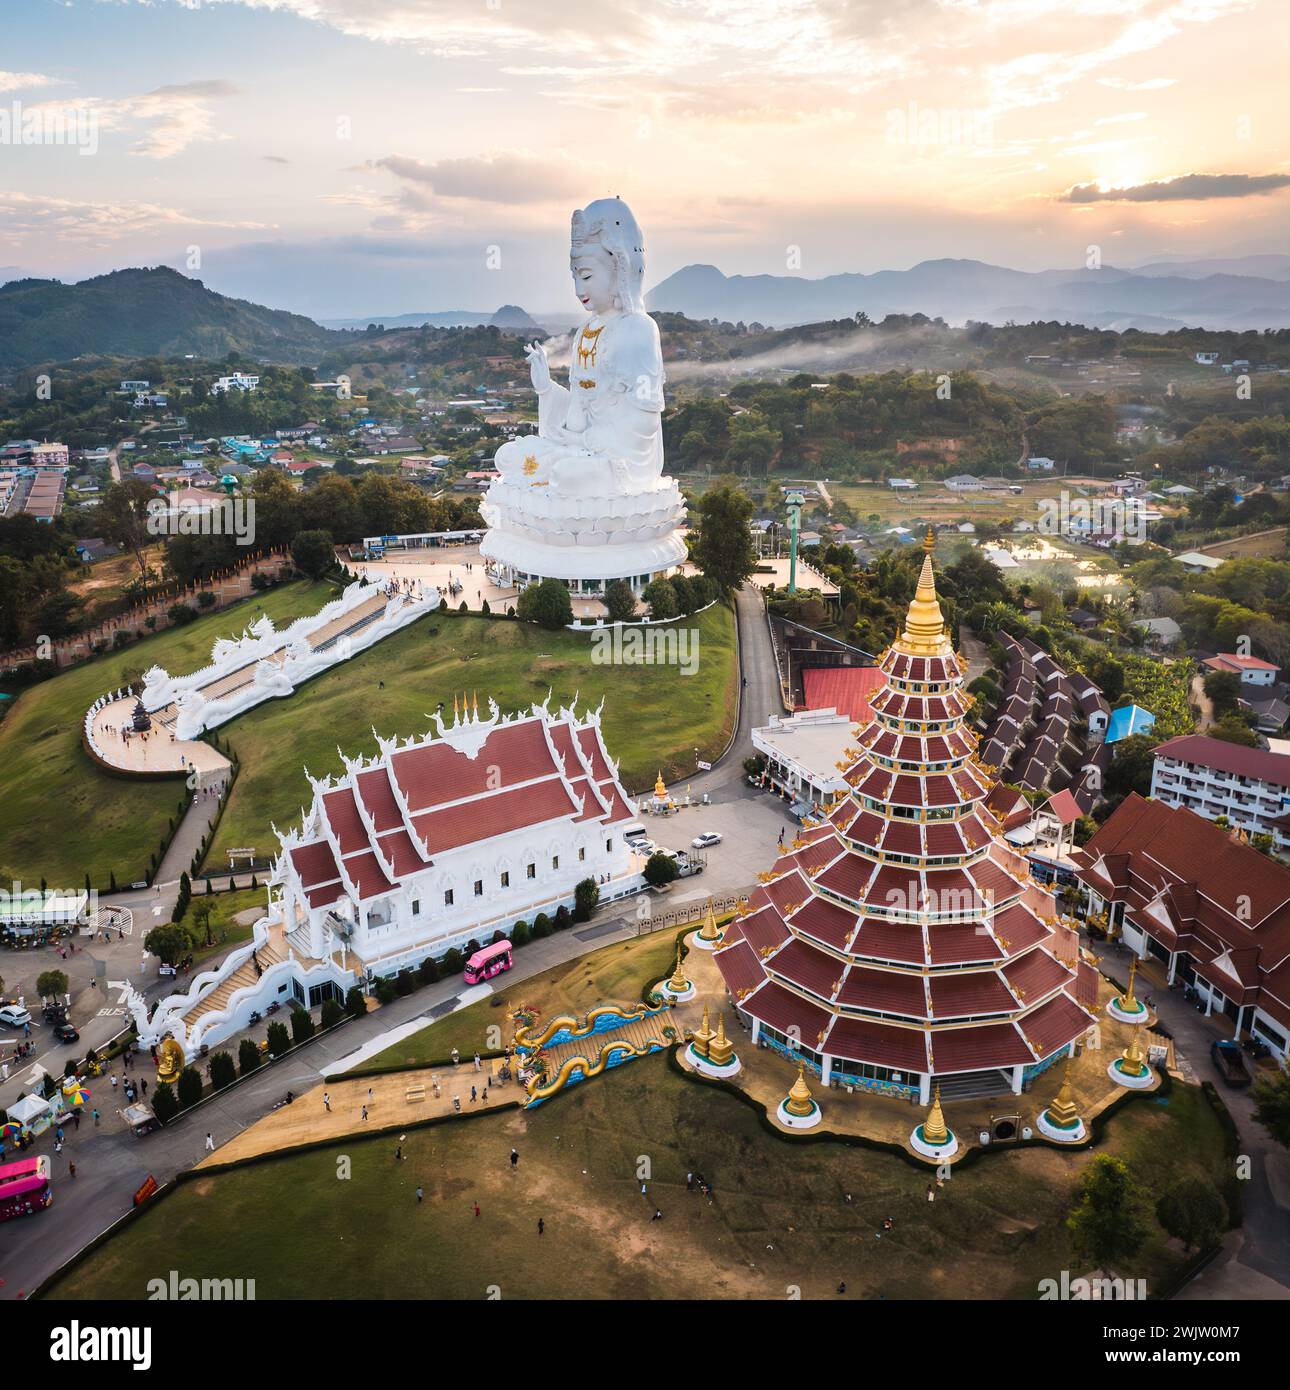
(1219, 294)
(144, 313)
(509, 316)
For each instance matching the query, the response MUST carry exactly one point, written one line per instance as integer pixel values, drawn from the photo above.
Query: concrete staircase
(245, 974)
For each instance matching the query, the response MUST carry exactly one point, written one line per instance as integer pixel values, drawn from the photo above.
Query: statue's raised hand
(539, 371)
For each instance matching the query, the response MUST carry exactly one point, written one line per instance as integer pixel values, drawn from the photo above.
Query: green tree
(313, 553)
(1272, 1106)
(659, 869)
(1224, 690)
(164, 1105)
(1131, 767)
(302, 1025)
(169, 943)
(585, 897)
(725, 551)
(661, 597)
(547, 604)
(279, 1039)
(620, 602)
(223, 1071)
(49, 983)
(332, 1013)
(248, 1056)
(189, 1087)
(1107, 1223)
(1193, 1212)
(355, 1004)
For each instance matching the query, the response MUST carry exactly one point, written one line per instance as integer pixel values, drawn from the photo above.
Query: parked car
(709, 837)
(64, 1032)
(1231, 1065)
(14, 1016)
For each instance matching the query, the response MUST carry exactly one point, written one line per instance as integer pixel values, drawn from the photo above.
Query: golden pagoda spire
(1063, 1110)
(924, 632)
(799, 1100)
(1126, 1001)
(678, 984)
(709, 931)
(720, 1050)
(474, 701)
(1133, 1061)
(702, 1038)
(456, 715)
(935, 1130)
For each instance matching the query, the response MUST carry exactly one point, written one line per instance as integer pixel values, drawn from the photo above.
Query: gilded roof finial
(720, 1050)
(935, 1130)
(924, 632)
(799, 1100)
(1063, 1110)
(456, 713)
(709, 931)
(474, 702)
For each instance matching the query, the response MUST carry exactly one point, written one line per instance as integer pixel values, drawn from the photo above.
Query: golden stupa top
(924, 633)
(799, 1091)
(935, 1130)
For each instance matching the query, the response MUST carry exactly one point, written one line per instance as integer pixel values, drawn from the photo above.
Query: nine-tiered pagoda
(902, 943)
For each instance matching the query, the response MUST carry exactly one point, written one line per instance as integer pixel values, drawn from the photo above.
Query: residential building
(1251, 670)
(1215, 778)
(1196, 563)
(1213, 911)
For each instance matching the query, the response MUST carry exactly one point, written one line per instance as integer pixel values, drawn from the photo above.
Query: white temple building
(433, 843)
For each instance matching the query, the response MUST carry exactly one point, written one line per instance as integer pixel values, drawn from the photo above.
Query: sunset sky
(354, 157)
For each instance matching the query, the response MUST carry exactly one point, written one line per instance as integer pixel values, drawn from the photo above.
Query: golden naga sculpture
(799, 1100)
(935, 1130)
(721, 1051)
(170, 1062)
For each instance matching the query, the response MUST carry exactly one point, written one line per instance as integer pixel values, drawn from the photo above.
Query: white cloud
(26, 81)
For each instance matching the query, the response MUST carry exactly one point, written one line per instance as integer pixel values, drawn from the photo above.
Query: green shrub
(452, 962)
(302, 1025)
(428, 971)
(164, 1105)
(520, 934)
(223, 1072)
(189, 1087)
(279, 1039)
(384, 990)
(332, 1013)
(405, 982)
(355, 1004)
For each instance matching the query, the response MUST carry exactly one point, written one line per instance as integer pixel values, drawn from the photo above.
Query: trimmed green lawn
(780, 1219)
(60, 815)
(225, 931)
(654, 716)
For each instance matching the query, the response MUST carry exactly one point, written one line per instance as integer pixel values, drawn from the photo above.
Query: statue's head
(607, 257)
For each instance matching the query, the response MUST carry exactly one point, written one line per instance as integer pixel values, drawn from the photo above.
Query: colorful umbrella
(9, 1128)
(75, 1093)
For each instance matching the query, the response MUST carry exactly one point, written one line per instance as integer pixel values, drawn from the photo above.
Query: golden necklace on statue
(587, 346)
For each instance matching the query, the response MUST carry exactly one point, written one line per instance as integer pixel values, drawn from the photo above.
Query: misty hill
(958, 290)
(509, 317)
(146, 313)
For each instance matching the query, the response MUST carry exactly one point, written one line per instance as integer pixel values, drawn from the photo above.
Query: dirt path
(1203, 704)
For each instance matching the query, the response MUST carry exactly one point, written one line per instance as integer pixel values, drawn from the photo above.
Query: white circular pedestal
(1117, 1013)
(928, 1150)
(627, 559)
(1134, 1083)
(668, 992)
(694, 939)
(1057, 1134)
(785, 1117)
(707, 1068)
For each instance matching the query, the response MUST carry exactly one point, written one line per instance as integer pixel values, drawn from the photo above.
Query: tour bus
(492, 960)
(24, 1187)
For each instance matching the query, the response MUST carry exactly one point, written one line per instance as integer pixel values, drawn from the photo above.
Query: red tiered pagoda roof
(901, 930)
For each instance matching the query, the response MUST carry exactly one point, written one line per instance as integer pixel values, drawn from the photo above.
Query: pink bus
(24, 1187)
(492, 960)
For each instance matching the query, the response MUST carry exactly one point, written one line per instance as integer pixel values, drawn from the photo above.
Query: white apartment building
(1215, 778)
(238, 381)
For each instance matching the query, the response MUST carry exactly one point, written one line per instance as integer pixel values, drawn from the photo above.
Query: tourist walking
(541, 1226)
(515, 1157)
(210, 1144)
(365, 1114)
(476, 1208)
(327, 1101)
(71, 1170)
(420, 1194)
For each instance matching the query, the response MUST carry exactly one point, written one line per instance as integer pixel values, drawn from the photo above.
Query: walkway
(1255, 1262)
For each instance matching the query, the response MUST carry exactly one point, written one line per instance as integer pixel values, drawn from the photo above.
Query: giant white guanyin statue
(585, 498)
